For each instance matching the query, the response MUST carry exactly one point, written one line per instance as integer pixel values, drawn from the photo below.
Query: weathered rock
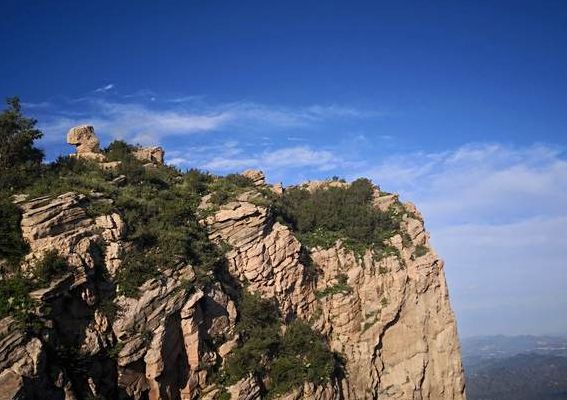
(22, 364)
(265, 255)
(312, 186)
(277, 189)
(246, 389)
(86, 141)
(395, 327)
(255, 175)
(384, 201)
(153, 154)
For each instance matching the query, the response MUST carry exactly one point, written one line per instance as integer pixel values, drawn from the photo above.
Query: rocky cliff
(382, 311)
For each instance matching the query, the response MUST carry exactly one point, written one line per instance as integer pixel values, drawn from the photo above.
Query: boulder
(88, 145)
(153, 154)
(256, 176)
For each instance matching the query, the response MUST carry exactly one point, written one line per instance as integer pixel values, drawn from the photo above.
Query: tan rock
(311, 186)
(246, 389)
(84, 137)
(277, 189)
(255, 175)
(153, 154)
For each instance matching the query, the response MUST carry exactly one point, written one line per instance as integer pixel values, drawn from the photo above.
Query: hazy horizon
(459, 108)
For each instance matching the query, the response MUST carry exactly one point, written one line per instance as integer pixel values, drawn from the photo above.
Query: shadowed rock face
(395, 327)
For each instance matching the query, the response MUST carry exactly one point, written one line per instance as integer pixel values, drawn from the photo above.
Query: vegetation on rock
(12, 247)
(340, 287)
(285, 360)
(323, 216)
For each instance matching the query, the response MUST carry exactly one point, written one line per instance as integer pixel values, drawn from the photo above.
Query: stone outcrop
(20, 360)
(312, 186)
(88, 147)
(394, 326)
(86, 141)
(267, 256)
(255, 176)
(153, 154)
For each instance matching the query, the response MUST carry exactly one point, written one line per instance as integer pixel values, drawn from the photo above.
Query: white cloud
(140, 118)
(486, 182)
(274, 161)
(105, 88)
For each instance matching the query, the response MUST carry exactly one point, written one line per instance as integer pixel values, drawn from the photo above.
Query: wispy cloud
(275, 160)
(145, 118)
(104, 88)
(489, 181)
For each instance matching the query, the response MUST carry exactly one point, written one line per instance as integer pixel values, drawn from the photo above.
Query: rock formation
(153, 154)
(88, 147)
(255, 176)
(394, 326)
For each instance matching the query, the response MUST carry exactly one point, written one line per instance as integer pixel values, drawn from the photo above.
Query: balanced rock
(88, 145)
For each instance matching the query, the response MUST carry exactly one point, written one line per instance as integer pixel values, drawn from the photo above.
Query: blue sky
(460, 107)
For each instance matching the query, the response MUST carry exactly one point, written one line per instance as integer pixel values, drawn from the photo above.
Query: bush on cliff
(286, 360)
(12, 246)
(49, 267)
(163, 226)
(227, 188)
(325, 215)
(14, 297)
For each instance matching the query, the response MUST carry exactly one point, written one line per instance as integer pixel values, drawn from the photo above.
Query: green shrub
(164, 228)
(286, 360)
(12, 246)
(197, 182)
(420, 250)
(49, 267)
(386, 251)
(226, 189)
(96, 208)
(109, 309)
(119, 150)
(322, 217)
(14, 297)
(135, 270)
(19, 158)
(303, 356)
(340, 287)
(70, 174)
(224, 395)
(114, 351)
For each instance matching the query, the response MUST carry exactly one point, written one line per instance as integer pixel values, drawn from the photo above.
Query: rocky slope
(388, 317)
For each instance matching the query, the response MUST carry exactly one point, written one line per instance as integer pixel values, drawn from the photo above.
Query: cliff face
(394, 326)
(388, 317)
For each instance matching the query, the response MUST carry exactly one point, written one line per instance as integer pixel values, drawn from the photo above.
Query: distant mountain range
(515, 367)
